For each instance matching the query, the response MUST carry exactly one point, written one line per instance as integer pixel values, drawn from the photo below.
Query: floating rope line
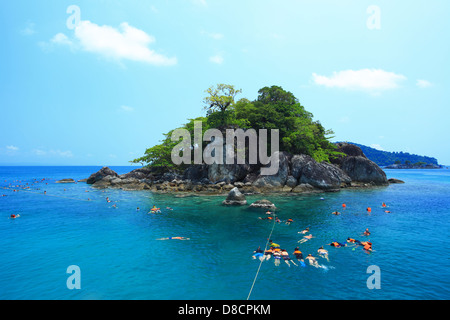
(259, 267)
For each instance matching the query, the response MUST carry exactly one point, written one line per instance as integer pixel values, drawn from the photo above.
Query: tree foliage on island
(219, 99)
(274, 108)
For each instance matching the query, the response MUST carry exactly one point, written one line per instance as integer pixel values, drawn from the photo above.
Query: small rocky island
(297, 174)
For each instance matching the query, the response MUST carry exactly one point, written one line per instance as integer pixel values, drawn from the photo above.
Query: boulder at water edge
(235, 197)
(263, 204)
(99, 175)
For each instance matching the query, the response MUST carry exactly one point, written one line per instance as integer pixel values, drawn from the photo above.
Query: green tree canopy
(274, 108)
(218, 102)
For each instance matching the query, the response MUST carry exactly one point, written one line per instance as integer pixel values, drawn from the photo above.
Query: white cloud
(29, 29)
(123, 43)
(216, 59)
(368, 80)
(376, 146)
(61, 38)
(39, 152)
(213, 35)
(126, 108)
(62, 154)
(423, 83)
(12, 148)
(53, 153)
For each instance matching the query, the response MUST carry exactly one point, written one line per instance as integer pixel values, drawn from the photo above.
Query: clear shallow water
(120, 258)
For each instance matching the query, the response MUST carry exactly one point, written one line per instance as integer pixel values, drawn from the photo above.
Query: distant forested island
(398, 160)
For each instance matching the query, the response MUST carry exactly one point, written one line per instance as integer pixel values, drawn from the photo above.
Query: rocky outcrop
(392, 181)
(324, 176)
(296, 174)
(305, 188)
(196, 172)
(361, 169)
(141, 173)
(235, 197)
(279, 179)
(227, 172)
(356, 165)
(100, 175)
(348, 150)
(263, 204)
(65, 181)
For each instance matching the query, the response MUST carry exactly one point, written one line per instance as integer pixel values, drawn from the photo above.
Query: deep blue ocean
(119, 257)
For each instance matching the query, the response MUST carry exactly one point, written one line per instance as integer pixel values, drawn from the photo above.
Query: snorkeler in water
(277, 256)
(268, 253)
(174, 238)
(367, 246)
(323, 253)
(273, 244)
(258, 253)
(337, 244)
(312, 261)
(265, 218)
(299, 255)
(351, 240)
(155, 210)
(306, 238)
(304, 231)
(286, 258)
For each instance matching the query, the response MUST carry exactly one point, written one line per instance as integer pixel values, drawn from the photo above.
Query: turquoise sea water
(120, 258)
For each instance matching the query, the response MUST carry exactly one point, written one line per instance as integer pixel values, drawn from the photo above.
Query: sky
(97, 82)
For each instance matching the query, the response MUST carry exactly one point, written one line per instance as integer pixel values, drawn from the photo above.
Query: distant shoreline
(404, 166)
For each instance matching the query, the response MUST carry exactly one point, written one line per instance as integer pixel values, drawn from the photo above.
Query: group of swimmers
(367, 245)
(271, 216)
(278, 253)
(368, 209)
(154, 209)
(282, 254)
(24, 185)
(174, 238)
(19, 187)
